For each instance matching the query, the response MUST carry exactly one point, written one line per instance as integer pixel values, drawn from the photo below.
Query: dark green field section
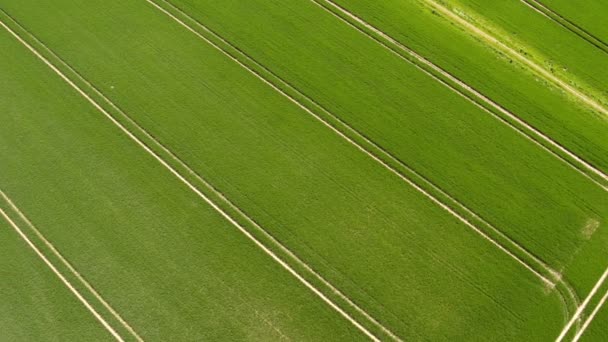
(169, 264)
(34, 304)
(588, 15)
(517, 89)
(174, 268)
(560, 49)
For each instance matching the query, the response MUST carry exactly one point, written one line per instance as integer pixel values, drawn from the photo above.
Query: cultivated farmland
(301, 170)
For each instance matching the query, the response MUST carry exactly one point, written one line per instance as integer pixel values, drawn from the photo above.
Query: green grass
(175, 269)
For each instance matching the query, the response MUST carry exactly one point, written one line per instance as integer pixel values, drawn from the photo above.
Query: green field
(306, 170)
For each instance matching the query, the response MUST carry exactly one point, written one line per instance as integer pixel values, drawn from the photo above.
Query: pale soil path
(50, 265)
(206, 199)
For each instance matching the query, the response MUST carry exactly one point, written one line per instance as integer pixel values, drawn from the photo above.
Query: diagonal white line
(591, 317)
(362, 149)
(70, 267)
(582, 307)
(61, 277)
(195, 190)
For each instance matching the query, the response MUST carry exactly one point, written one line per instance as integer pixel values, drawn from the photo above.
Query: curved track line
(590, 318)
(362, 149)
(195, 190)
(490, 39)
(61, 277)
(575, 301)
(472, 91)
(565, 23)
(71, 268)
(582, 307)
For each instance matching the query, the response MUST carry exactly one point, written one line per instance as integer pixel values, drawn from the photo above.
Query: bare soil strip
(71, 268)
(531, 133)
(565, 23)
(582, 307)
(89, 307)
(493, 41)
(591, 317)
(194, 189)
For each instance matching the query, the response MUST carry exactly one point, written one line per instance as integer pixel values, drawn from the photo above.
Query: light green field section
(514, 184)
(402, 258)
(170, 265)
(509, 84)
(34, 304)
(560, 51)
(590, 15)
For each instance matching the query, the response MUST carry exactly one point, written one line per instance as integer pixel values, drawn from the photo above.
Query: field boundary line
(352, 142)
(582, 307)
(474, 96)
(52, 267)
(70, 267)
(569, 25)
(598, 307)
(491, 40)
(219, 210)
